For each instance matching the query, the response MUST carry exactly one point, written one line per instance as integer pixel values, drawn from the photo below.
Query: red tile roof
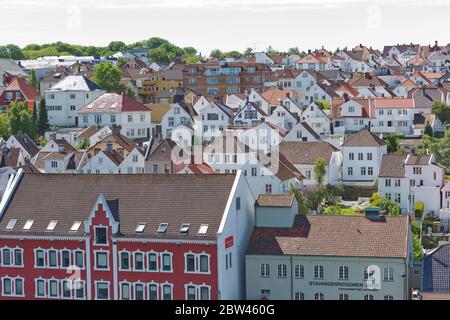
(114, 102)
(22, 85)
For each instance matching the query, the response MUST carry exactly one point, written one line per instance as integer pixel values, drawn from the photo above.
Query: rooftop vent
(163, 227)
(140, 227)
(185, 227)
(51, 226)
(28, 225)
(11, 224)
(75, 226)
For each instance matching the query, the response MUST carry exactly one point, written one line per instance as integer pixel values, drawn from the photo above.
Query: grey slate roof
(436, 271)
(75, 83)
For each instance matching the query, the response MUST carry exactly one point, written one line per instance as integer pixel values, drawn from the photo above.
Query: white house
(444, 213)
(317, 119)
(213, 119)
(361, 155)
(302, 131)
(304, 154)
(283, 117)
(25, 143)
(351, 115)
(112, 162)
(112, 109)
(66, 97)
(393, 115)
(250, 115)
(178, 114)
(408, 179)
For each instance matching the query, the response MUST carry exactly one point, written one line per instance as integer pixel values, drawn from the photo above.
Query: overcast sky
(227, 24)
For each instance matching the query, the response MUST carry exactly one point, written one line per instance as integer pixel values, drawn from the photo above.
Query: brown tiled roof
(283, 169)
(21, 84)
(275, 96)
(27, 143)
(162, 151)
(393, 165)
(418, 160)
(147, 198)
(114, 156)
(64, 143)
(366, 81)
(9, 157)
(274, 200)
(306, 152)
(364, 138)
(340, 236)
(88, 132)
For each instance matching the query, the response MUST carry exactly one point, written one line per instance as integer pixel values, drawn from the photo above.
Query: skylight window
(185, 227)
(28, 225)
(140, 227)
(75, 226)
(203, 229)
(163, 227)
(51, 226)
(11, 224)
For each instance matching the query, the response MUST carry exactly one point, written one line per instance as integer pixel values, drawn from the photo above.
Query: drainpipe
(292, 278)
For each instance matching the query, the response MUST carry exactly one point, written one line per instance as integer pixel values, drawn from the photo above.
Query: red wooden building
(18, 89)
(124, 236)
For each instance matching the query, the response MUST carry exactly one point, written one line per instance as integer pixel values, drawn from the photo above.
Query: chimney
(263, 120)
(346, 97)
(360, 45)
(309, 51)
(53, 136)
(436, 43)
(413, 151)
(288, 94)
(367, 75)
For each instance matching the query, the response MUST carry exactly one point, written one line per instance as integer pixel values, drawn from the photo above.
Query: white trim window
(124, 260)
(388, 274)
(197, 292)
(125, 290)
(40, 288)
(39, 258)
(138, 261)
(102, 290)
(166, 261)
(152, 265)
(101, 236)
(299, 271)
(101, 260)
(139, 291)
(319, 296)
(197, 262)
(282, 270)
(318, 272)
(11, 257)
(299, 296)
(166, 291)
(343, 272)
(153, 291)
(265, 270)
(53, 288)
(343, 296)
(368, 297)
(65, 258)
(12, 286)
(80, 291)
(388, 297)
(52, 259)
(79, 258)
(66, 289)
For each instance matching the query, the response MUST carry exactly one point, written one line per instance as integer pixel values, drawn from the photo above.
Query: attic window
(11, 224)
(140, 227)
(163, 227)
(51, 226)
(28, 225)
(75, 226)
(203, 229)
(185, 227)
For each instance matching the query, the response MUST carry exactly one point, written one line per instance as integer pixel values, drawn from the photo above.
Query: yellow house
(160, 83)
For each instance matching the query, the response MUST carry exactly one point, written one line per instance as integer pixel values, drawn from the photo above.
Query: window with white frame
(299, 271)
(13, 287)
(167, 291)
(299, 296)
(52, 258)
(101, 235)
(101, 260)
(124, 260)
(40, 291)
(343, 273)
(152, 261)
(319, 296)
(138, 291)
(125, 291)
(343, 296)
(138, 263)
(388, 274)
(153, 291)
(79, 258)
(53, 286)
(79, 289)
(197, 262)
(102, 290)
(166, 262)
(39, 258)
(368, 297)
(265, 270)
(65, 258)
(318, 272)
(282, 270)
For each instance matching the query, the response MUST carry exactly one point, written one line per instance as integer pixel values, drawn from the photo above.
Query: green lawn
(340, 210)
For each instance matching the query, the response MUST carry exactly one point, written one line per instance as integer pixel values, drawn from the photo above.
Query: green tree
(315, 198)
(166, 53)
(216, 53)
(19, 117)
(302, 208)
(428, 130)
(442, 111)
(192, 59)
(83, 144)
(190, 51)
(417, 247)
(43, 124)
(155, 42)
(32, 79)
(34, 120)
(15, 52)
(248, 52)
(415, 227)
(320, 170)
(4, 126)
(116, 46)
(323, 104)
(107, 76)
(393, 142)
(294, 50)
(121, 62)
(440, 148)
(232, 54)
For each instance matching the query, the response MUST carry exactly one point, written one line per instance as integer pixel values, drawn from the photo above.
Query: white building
(302, 131)
(112, 109)
(304, 154)
(65, 98)
(351, 115)
(361, 155)
(317, 119)
(395, 115)
(213, 119)
(178, 114)
(112, 162)
(250, 115)
(408, 179)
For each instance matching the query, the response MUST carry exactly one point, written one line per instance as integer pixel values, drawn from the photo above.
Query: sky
(228, 24)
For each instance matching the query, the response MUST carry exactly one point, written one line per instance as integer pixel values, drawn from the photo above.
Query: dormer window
(203, 229)
(51, 226)
(185, 227)
(140, 227)
(28, 225)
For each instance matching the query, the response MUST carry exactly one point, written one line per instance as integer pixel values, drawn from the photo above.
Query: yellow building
(160, 83)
